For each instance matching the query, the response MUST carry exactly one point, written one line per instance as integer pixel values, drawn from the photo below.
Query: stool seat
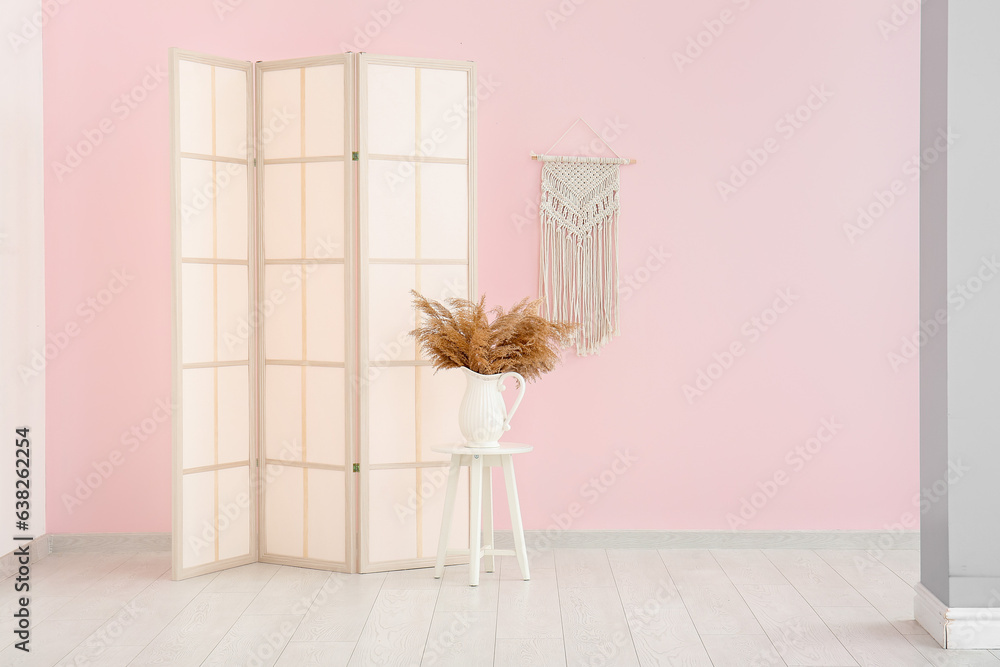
(480, 461)
(504, 448)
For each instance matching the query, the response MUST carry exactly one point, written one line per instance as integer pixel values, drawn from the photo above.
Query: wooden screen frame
(363, 61)
(177, 504)
(350, 306)
(356, 290)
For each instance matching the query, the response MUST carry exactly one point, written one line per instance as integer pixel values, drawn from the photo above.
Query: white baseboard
(110, 542)
(956, 627)
(538, 540)
(541, 540)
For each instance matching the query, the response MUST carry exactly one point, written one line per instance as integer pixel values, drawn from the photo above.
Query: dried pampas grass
(462, 334)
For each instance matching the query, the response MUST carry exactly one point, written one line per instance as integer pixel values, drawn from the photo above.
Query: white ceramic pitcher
(483, 415)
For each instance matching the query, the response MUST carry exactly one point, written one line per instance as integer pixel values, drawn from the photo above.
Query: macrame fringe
(579, 250)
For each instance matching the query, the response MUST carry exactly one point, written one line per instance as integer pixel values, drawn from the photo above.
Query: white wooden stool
(480, 460)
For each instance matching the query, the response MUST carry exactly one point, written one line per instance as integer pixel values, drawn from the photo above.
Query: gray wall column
(960, 273)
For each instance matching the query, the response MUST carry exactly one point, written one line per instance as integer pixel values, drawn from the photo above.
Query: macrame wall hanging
(578, 259)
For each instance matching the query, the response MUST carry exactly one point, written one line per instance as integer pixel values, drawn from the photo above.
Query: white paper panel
(234, 314)
(391, 110)
(195, 105)
(325, 415)
(197, 208)
(198, 411)
(281, 98)
(325, 110)
(233, 221)
(324, 210)
(433, 488)
(234, 414)
(444, 281)
(283, 496)
(392, 526)
(444, 110)
(440, 395)
(325, 311)
(327, 507)
(283, 327)
(282, 211)
(283, 412)
(390, 311)
(324, 202)
(198, 519)
(231, 110)
(391, 211)
(444, 211)
(391, 422)
(234, 512)
(197, 314)
(214, 219)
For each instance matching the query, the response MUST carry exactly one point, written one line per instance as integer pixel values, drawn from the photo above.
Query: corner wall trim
(38, 548)
(956, 627)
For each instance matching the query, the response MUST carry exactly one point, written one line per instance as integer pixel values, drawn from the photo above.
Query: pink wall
(826, 356)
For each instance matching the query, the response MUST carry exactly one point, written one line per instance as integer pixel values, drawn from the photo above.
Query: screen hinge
(354, 156)
(357, 467)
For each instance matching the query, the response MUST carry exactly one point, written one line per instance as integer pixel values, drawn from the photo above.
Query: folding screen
(214, 370)
(417, 207)
(304, 183)
(305, 415)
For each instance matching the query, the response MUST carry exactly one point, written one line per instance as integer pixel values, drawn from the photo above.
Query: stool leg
(515, 515)
(475, 517)
(449, 511)
(488, 513)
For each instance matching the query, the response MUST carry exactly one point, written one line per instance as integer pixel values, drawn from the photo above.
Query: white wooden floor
(727, 608)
